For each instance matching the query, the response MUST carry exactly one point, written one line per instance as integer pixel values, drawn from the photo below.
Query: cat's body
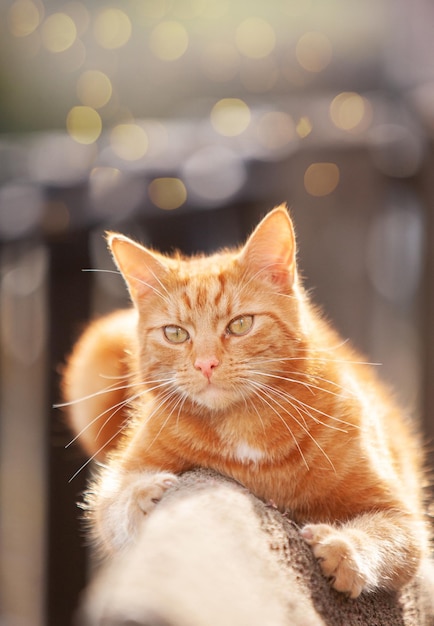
(228, 366)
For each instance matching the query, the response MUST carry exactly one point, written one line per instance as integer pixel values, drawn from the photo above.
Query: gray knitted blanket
(211, 554)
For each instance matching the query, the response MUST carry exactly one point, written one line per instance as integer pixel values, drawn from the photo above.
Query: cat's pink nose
(206, 366)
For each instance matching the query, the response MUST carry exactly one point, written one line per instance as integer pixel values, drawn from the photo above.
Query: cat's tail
(96, 382)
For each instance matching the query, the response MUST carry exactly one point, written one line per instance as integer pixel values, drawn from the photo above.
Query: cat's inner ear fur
(142, 269)
(270, 252)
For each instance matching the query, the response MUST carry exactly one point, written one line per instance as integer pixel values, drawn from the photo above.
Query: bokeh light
(102, 180)
(255, 38)
(23, 18)
(72, 59)
(216, 9)
(84, 124)
(57, 159)
(314, 51)
(113, 192)
(94, 88)
(303, 127)
(112, 28)
(321, 179)
(167, 193)
(188, 9)
(168, 40)
(80, 14)
(230, 117)
(214, 174)
(275, 130)
(350, 111)
(58, 32)
(152, 9)
(129, 141)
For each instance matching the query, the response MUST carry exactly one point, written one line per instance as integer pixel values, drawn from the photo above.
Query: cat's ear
(142, 269)
(270, 252)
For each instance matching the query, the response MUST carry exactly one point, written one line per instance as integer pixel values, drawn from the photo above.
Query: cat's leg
(374, 550)
(117, 502)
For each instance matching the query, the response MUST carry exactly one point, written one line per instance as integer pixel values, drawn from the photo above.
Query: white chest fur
(247, 454)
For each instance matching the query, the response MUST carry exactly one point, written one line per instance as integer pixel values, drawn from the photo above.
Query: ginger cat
(224, 363)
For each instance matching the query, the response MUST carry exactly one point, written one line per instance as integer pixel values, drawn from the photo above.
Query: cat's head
(213, 329)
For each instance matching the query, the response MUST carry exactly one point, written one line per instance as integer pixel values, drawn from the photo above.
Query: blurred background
(180, 123)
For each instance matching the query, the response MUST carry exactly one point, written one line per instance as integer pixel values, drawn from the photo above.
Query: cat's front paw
(119, 503)
(339, 557)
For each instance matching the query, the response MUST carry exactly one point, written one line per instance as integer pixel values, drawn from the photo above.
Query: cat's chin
(213, 398)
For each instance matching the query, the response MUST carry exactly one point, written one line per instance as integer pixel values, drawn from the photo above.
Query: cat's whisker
(292, 401)
(100, 449)
(311, 358)
(251, 403)
(304, 428)
(101, 271)
(336, 346)
(259, 416)
(116, 434)
(109, 389)
(310, 408)
(287, 397)
(164, 288)
(257, 389)
(146, 284)
(92, 422)
(162, 399)
(178, 401)
(306, 409)
(133, 278)
(344, 391)
(113, 376)
(117, 408)
(309, 386)
(305, 384)
(100, 392)
(184, 399)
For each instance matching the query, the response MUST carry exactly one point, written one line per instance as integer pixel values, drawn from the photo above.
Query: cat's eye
(175, 334)
(240, 325)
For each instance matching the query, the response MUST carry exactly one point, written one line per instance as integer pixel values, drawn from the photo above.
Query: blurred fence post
(69, 308)
(427, 319)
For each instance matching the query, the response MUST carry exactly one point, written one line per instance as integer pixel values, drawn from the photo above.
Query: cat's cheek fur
(119, 503)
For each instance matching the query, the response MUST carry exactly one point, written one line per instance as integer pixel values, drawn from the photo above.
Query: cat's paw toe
(338, 557)
(122, 501)
(147, 490)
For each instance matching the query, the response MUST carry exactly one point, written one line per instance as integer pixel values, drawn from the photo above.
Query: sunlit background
(120, 88)
(180, 122)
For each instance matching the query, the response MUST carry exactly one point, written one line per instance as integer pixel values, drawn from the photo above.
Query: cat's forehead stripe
(186, 299)
(222, 283)
(204, 293)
